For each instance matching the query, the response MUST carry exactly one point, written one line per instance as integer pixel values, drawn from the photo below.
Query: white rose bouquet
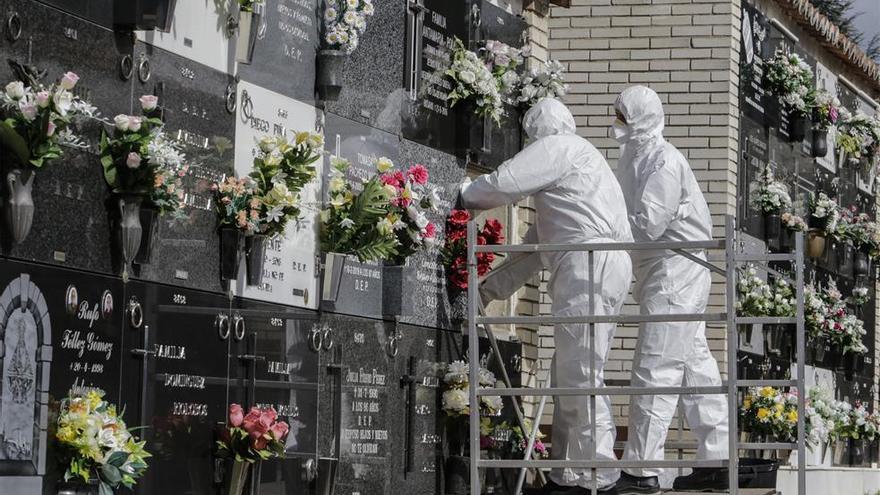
(140, 159)
(771, 196)
(456, 401)
(36, 119)
(344, 23)
(503, 61)
(790, 78)
(548, 81)
(473, 81)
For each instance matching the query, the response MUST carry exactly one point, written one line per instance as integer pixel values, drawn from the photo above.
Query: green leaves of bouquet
(354, 223)
(281, 169)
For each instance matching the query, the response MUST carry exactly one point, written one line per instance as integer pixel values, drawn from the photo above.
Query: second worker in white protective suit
(577, 200)
(665, 204)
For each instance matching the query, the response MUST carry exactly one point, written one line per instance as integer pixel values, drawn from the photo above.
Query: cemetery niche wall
(175, 322)
(802, 177)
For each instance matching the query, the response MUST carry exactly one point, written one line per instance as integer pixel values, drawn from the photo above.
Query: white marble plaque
(199, 33)
(289, 274)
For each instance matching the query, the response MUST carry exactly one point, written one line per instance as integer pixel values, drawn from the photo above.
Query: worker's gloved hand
(453, 192)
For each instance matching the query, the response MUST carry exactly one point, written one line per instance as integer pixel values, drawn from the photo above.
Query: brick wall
(685, 50)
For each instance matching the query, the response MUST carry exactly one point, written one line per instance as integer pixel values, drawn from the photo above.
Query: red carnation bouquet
(455, 249)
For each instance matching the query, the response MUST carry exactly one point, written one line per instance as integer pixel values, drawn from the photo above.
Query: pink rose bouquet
(255, 436)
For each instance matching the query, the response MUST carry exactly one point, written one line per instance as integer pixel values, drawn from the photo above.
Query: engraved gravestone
(278, 368)
(71, 190)
(360, 288)
(289, 272)
(501, 142)
(755, 49)
(284, 55)
(178, 365)
(427, 284)
(755, 154)
(432, 26)
(98, 11)
(355, 404)
(198, 105)
(826, 80)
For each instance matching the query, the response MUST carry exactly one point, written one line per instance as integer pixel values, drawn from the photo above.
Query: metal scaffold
(729, 261)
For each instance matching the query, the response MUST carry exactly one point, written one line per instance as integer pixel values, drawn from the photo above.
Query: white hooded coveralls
(577, 200)
(665, 204)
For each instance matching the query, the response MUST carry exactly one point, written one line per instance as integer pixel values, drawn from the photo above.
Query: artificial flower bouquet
(96, 445)
(771, 196)
(237, 205)
(826, 111)
(282, 168)
(472, 81)
(859, 296)
(858, 137)
(36, 119)
(793, 222)
(770, 413)
(512, 442)
(547, 81)
(503, 61)
(357, 222)
(248, 439)
(754, 294)
(344, 23)
(824, 213)
(456, 399)
(790, 78)
(141, 160)
(454, 251)
(248, 5)
(411, 198)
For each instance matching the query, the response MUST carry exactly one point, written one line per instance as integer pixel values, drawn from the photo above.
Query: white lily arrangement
(344, 23)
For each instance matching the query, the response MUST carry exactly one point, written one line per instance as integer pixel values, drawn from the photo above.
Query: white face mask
(620, 131)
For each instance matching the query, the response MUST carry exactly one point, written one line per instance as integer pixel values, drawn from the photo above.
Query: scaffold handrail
(732, 259)
(599, 246)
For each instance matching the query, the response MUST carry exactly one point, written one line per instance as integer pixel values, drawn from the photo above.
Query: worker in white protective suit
(665, 204)
(577, 200)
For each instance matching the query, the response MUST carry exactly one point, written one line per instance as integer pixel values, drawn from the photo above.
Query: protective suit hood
(548, 117)
(643, 111)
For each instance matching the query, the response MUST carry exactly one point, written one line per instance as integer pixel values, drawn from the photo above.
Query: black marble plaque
(501, 142)
(428, 119)
(754, 143)
(755, 49)
(175, 381)
(70, 191)
(275, 365)
(60, 332)
(284, 56)
(196, 106)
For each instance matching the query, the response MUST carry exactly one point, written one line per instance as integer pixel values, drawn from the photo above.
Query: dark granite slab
(755, 49)
(284, 56)
(431, 306)
(70, 191)
(289, 274)
(98, 11)
(355, 404)
(194, 101)
(754, 149)
(372, 83)
(360, 290)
